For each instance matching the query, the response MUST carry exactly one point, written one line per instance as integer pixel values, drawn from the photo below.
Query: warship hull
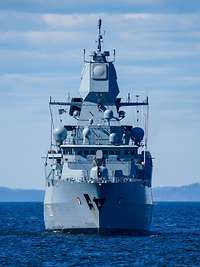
(94, 207)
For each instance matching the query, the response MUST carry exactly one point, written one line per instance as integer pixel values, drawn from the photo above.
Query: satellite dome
(137, 134)
(113, 138)
(60, 134)
(108, 114)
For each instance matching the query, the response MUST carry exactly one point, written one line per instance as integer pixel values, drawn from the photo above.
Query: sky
(157, 46)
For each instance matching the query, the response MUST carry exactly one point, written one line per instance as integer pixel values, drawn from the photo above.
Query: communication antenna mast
(137, 117)
(114, 54)
(146, 127)
(52, 123)
(84, 54)
(100, 38)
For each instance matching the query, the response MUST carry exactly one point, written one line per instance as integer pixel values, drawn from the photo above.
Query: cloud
(90, 6)
(15, 21)
(69, 21)
(77, 21)
(39, 39)
(167, 36)
(164, 22)
(77, 6)
(28, 83)
(146, 71)
(192, 79)
(156, 22)
(40, 62)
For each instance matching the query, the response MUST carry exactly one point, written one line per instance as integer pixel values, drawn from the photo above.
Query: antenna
(137, 118)
(114, 53)
(99, 36)
(84, 54)
(99, 25)
(146, 131)
(68, 96)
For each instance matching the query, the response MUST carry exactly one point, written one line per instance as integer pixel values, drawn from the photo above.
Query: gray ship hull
(93, 207)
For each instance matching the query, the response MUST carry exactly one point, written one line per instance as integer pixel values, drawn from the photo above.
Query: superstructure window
(86, 152)
(66, 151)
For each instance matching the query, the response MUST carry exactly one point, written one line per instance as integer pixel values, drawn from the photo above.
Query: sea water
(174, 240)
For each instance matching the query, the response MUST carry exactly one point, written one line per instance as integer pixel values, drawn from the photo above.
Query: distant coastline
(21, 195)
(189, 192)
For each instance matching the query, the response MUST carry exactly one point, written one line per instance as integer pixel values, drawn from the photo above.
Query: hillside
(180, 193)
(20, 195)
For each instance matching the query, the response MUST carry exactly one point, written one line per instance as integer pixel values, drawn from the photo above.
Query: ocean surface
(173, 241)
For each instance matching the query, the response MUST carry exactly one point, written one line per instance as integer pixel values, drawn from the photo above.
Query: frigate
(98, 169)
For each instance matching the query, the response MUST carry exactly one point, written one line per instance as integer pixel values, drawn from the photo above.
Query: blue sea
(174, 240)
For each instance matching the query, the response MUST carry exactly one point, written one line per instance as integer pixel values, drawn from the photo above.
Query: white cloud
(41, 38)
(68, 21)
(139, 21)
(31, 92)
(192, 79)
(167, 35)
(87, 6)
(38, 55)
(37, 81)
(145, 70)
(133, 20)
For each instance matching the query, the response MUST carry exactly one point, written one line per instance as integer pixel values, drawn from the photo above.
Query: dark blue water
(174, 241)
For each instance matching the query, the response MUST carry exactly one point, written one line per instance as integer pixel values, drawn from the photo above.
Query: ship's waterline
(93, 206)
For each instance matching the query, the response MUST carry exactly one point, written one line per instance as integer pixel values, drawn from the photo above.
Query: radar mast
(100, 38)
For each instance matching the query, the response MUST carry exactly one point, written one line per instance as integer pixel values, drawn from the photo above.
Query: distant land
(189, 192)
(20, 195)
(179, 193)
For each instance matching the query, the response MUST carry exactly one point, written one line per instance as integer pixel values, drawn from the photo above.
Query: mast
(100, 38)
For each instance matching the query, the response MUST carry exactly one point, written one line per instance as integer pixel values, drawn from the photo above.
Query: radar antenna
(100, 38)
